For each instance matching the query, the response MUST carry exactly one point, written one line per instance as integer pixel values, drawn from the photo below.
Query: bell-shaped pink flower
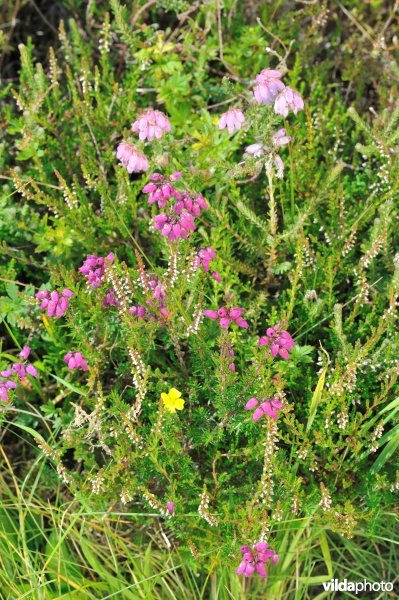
(279, 341)
(75, 360)
(233, 119)
(170, 507)
(159, 190)
(151, 124)
(56, 303)
(132, 158)
(94, 267)
(255, 558)
(175, 226)
(268, 407)
(280, 139)
(268, 86)
(192, 203)
(226, 316)
(288, 100)
(256, 150)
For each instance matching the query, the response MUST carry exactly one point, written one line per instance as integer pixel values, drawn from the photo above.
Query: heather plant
(210, 306)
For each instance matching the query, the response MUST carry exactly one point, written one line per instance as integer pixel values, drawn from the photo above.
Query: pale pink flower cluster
(204, 258)
(132, 158)
(270, 89)
(233, 119)
(151, 125)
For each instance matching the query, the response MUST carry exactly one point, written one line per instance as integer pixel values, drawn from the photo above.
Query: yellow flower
(172, 401)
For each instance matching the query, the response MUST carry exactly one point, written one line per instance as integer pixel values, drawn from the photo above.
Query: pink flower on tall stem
(170, 507)
(94, 267)
(268, 407)
(268, 86)
(204, 257)
(151, 124)
(279, 340)
(174, 226)
(288, 100)
(56, 303)
(159, 190)
(255, 558)
(226, 316)
(233, 119)
(75, 360)
(132, 158)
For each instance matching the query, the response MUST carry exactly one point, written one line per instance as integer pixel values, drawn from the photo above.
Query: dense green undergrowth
(316, 251)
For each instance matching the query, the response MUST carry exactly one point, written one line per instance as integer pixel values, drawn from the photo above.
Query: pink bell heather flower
(255, 558)
(174, 226)
(151, 124)
(138, 311)
(268, 407)
(232, 119)
(56, 304)
(75, 360)
(216, 276)
(279, 340)
(226, 316)
(170, 507)
(256, 150)
(21, 370)
(161, 191)
(93, 268)
(268, 86)
(192, 203)
(5, 387)
(110, 299)
(132, 158)
(288, 100)
(25, 352)
(280, 139)
(204, 257)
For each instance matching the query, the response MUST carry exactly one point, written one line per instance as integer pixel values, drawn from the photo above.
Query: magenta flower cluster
(267, 407)
(75, 360)
(93, 269)
(178, 220)
(204, 258)
(254, 559)
(279, 341)
(19, 370)
(160, 190)
(54, 302)
(227, 316)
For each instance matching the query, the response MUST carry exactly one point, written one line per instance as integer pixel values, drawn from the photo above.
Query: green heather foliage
(316, 251)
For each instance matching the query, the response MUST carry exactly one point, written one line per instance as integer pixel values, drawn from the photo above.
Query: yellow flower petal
(179, 404)
(174, 393)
